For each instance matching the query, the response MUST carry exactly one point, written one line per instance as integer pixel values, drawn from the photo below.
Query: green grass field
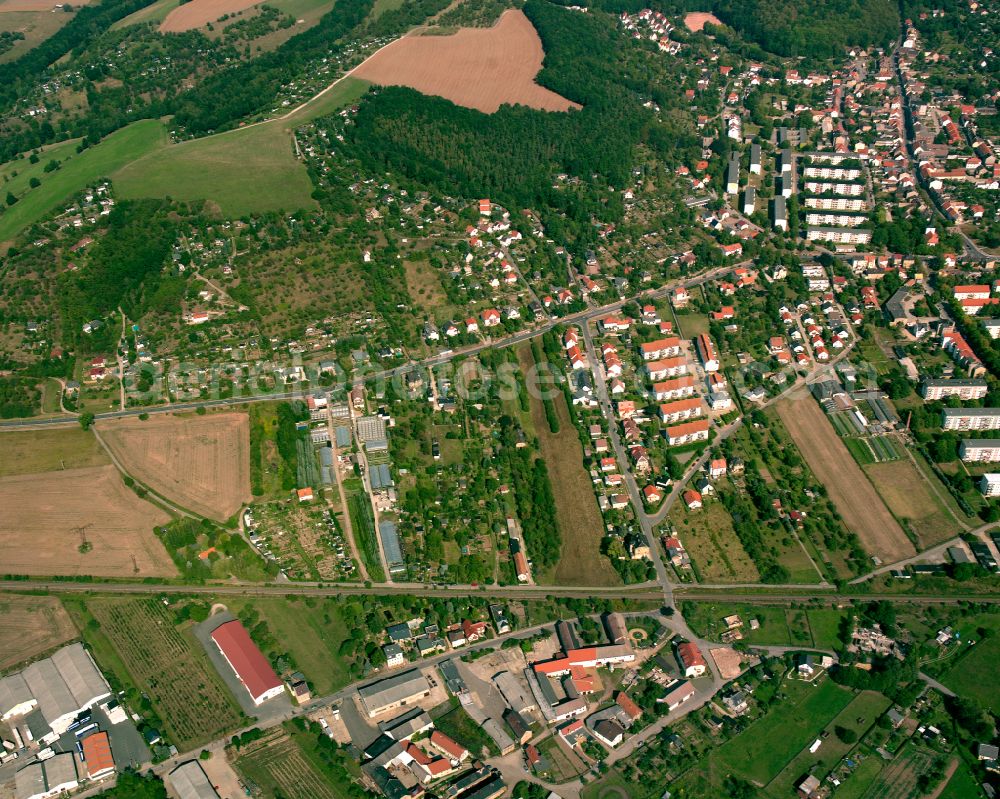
(311, 633)
(858, 716)
(244, 171)
(763, 749)
(38, 451)
(815, 627)
(962, 785)
(855, 786)
(966, 677)
(155, 13)
(103, 159)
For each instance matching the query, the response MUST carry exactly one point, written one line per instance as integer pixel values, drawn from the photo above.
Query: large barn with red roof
(247, 661)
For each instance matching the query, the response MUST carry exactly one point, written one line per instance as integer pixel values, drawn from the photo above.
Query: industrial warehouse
(62, 728)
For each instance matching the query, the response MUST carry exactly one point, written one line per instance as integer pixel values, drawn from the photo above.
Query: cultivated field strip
(30, 626)
(279, 758)
(190, 698)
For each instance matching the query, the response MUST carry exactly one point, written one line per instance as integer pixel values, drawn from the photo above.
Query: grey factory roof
(393, 690)
(190, 782)
(30, 781)
(80, 674)
(60, 769)
(14, 691)
(47, 686)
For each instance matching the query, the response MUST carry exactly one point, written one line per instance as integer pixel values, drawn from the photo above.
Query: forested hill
(811, 28)
(514, 154)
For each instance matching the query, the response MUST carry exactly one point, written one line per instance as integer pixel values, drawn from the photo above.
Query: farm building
(190, 782)
(47, 777)
(394, 692)
(247, 661)
(60, 687)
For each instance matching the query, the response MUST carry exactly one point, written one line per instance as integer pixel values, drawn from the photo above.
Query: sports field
(202, 463)
(860, 506)
(580, 559)
(480, 68)
(120, 148)
(31, 626)
(79, 521)
(139, 637)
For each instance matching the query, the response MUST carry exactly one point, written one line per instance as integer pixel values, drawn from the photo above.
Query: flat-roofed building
(989, 484)
(47, 777)
(970, 389)
(979, 450)
(970, 418)
(394, 692)
(190, 782)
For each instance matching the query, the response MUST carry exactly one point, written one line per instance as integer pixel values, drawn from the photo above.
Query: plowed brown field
(200, 12)
(480, 68)
(40, 526)
(31, 626)
(201, 463)
(855, 498)
(695, 21)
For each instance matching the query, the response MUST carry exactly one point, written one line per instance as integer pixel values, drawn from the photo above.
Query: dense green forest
(514, 154)
(124, 267)
(812, 28)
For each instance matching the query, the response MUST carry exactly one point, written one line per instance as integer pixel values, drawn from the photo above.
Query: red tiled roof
(97, 754)
(446, 744)
(246, 659)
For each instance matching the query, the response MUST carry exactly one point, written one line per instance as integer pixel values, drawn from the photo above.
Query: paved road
(434, 360)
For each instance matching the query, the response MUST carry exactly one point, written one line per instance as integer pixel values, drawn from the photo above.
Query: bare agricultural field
(31, 626)
(79, 521)
(855, 498)
(33, 451)
(200, 462)
(696, 20)
(481, 68)
(193, 15)
(580, 559)
(908, 495)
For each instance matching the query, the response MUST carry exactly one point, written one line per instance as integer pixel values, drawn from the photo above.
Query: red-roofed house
(632, 710)
(691, 659)
(447, 746)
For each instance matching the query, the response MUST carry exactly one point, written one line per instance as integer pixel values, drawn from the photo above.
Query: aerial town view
(500, 399)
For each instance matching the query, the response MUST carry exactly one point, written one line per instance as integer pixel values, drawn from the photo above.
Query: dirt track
(480, 68)
(860, 506)
(42, 514)
(201, 463)
(200, 12)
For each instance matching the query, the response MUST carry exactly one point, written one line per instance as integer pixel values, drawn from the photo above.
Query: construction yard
(854, 496)
(201, 463)
(79, 521)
